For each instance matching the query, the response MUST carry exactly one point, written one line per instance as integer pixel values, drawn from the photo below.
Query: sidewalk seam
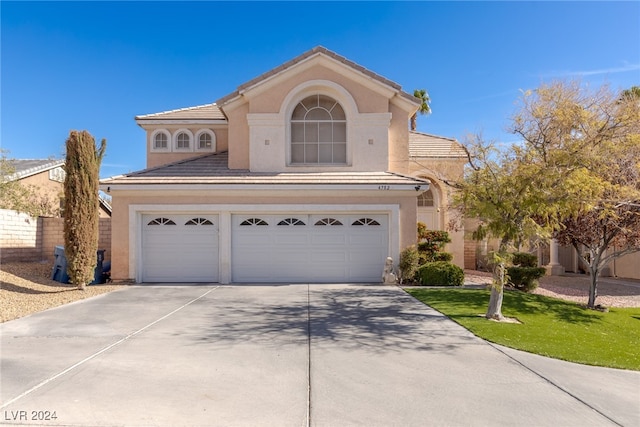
(539, 375)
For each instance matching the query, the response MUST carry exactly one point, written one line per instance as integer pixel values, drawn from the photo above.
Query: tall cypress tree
(81, 212)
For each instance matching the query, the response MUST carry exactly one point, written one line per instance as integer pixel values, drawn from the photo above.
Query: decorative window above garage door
(161, 221)
(198, 221)
(366, 222)
(254, 221)
(328, 221)
(291, 221)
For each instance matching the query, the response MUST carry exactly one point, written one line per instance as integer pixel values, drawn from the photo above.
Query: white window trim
(175, 141)
(196, 141)
(153, 141)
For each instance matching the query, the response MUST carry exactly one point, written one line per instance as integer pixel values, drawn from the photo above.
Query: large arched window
(318, 132)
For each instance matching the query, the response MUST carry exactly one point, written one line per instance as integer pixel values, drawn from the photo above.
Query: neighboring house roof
(201, 112)
(318, 50)
(28, 167)
(426, 145)
(212, 169)
(105, 206)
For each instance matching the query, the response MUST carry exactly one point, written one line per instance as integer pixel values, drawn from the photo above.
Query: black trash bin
(59, 273)
(97, 272)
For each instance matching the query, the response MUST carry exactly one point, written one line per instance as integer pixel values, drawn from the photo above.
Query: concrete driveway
(286, 355)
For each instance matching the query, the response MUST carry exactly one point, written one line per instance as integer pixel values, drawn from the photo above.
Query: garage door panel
(257, 240)
(329, 239)
(328, 256)
(327, 248)
(285, 239)
(180, 248)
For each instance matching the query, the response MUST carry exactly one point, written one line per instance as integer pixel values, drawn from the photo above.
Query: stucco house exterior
(307, 173)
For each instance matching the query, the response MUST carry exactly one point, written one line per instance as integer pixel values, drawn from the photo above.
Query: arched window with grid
(318, 132)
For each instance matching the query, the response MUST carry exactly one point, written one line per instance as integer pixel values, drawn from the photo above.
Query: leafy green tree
(574, 173)
(496, 190)
(424, 108)
(632, 93)
(81, 217)
(588, 138)
(19, 197)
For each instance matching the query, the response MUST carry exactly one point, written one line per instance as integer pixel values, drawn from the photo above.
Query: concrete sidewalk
(325, 355)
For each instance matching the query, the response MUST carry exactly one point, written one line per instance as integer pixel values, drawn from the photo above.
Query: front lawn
(550, 327)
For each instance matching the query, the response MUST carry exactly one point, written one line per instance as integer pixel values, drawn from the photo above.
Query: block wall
(20, 236)
(24, 238)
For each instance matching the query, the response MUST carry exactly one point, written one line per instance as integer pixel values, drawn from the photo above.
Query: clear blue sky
(94, 65)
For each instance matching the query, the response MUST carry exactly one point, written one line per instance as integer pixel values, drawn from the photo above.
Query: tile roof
(426, 145)
(319, 50)
(26, 167)
(213, 169)
(201, 112)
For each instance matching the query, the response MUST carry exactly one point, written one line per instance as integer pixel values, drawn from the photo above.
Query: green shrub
(431, 244)
(441, 273)
(442, 256)
(524, 259)
(409, 263)
(525, 278)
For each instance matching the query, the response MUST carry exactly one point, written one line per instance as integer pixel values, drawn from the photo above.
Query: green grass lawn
(550, 327)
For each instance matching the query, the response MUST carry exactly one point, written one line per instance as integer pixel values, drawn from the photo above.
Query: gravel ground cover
(575, 287)
(26, 287)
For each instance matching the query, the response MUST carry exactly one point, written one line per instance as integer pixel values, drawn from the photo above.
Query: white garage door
(179, 248)
(309, 248)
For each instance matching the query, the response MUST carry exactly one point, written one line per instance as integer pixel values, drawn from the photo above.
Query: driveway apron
(282, 355)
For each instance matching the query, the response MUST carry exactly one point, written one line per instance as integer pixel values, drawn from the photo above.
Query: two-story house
(303, 174)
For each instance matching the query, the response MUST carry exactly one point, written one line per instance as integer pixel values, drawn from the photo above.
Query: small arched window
(182, 141)
(291, 221)
(254, 221)
(160, 140)
(366, 222)
(205, 140)
(425, 200)
(198, 221)
(328, 221)
(318, 132)
(161, 221)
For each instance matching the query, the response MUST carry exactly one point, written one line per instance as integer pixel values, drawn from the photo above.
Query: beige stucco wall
(239, 138)
(259, 140)
(433, 168)
(398, 141)
(216, 201)
(46, 188)
(627, 266)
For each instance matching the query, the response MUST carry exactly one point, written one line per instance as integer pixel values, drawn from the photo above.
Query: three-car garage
(263, 247)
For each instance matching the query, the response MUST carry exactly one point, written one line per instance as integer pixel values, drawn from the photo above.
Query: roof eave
(380, 189)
